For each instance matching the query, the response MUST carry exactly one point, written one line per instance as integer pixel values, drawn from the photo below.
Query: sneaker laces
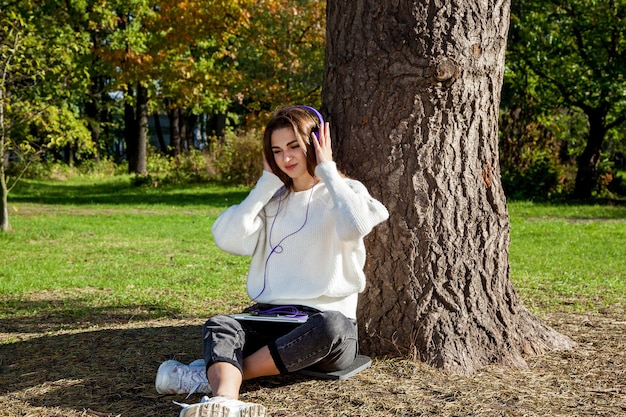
(195, 375)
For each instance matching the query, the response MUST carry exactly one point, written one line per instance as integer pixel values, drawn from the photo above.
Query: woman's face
(288, 155)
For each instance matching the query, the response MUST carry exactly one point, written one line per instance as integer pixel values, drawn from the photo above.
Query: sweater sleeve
(355, 211)
(237, 229)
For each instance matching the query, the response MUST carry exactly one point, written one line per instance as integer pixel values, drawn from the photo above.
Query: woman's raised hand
(323, 148)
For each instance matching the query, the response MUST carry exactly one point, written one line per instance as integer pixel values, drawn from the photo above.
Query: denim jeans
(327, 341)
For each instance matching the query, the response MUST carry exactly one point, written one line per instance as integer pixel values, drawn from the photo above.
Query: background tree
(197, 57)
(126, 50)
(280, 54)
(194, 60)
(575, 53)
(538, 139)
(39, 89)
(412, 90)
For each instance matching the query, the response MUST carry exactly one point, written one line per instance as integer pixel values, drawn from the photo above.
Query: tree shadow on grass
(95, 371)
(107, 371)
(45, 315)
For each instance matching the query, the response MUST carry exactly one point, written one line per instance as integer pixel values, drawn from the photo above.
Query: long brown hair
(303, 124)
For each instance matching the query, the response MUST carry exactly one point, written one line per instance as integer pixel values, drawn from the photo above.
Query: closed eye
(276, 151)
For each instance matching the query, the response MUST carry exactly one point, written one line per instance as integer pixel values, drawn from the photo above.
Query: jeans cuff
(277, 359)
(226, 360)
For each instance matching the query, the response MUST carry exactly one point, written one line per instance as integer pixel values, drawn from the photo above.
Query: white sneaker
(174, 377)
(221, 407)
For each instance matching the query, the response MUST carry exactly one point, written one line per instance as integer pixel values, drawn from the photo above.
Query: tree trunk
(68, 154)
(130, 136)
(4, 197)
(93, 104)
(183, 131)
(159, 132)
(142, 129)
(93, 120)
(174, 116)
(4, 191)
(411, 89)
(587, 172)
(218, 126)
(191, 123)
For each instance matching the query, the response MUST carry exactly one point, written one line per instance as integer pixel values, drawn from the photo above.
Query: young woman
(303, 225)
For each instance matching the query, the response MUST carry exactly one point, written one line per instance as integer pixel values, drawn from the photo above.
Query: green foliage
(212, 57)
(565, 88)
(239, 159)
(104, 168)
(207, 56)
(41, 72)
(236, 160)
(617, 185)
(576, 49)
(542, 178)
(157, 163)
(281, 53)
(537, 152)
(87, 168)
(58, 127)
(192, 166)
(190, 53)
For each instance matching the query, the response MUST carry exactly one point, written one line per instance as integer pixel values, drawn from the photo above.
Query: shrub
(189, 167)
(543, 178)
(234, 160)
(52, 169)
(618, 184)
(238, 160)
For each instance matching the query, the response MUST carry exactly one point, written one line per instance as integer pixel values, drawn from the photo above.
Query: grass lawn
(100, 281)
(112, 245)
(569, 256)
(108, 243)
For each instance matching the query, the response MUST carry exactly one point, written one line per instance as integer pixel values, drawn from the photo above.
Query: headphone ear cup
(316, 132)
(319, 118)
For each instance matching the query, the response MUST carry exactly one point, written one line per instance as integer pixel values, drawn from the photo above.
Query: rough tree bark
(412, 89)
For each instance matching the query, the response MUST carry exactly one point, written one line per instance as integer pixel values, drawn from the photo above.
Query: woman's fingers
(323, 144)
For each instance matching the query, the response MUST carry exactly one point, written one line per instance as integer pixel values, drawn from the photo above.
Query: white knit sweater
(306, 247)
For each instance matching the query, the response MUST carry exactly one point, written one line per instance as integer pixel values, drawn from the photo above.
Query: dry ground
(106, 367)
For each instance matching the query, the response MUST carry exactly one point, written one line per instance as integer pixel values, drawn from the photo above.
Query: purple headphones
(316, 113)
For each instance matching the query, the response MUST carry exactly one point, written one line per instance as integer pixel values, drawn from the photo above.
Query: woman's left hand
(323, 148)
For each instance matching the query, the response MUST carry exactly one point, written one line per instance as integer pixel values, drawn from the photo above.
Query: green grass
(106, 249)
(569, 255)
(109, 245)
